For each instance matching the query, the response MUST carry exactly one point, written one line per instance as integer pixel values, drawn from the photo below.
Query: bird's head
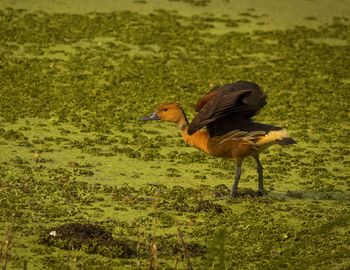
(171, 112)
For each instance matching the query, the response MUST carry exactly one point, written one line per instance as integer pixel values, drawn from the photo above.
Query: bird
(224, 128)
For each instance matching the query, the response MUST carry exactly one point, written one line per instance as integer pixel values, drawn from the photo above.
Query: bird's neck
(198, 139)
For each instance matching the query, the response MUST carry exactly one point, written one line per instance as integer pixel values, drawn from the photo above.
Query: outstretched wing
(227, 105)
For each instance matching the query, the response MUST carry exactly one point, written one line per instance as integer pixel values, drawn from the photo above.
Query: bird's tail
(276, 136)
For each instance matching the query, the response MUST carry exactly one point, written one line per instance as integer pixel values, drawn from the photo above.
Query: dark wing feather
(226, 125)
(205, 99)
(226, 104)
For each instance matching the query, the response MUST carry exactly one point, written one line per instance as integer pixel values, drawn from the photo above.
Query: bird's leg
(259, 169)
(239, 162)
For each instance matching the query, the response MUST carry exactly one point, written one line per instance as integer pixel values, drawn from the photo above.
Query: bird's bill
(153, 116)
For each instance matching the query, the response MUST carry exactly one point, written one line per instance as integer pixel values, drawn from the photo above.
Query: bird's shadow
(311, 195)
(223, 192)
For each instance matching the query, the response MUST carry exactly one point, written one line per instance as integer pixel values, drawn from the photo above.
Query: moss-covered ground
(84, 184)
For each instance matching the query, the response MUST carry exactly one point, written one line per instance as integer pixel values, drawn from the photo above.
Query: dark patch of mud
(89, 238)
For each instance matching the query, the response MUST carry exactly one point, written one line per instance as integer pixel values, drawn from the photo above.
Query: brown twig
(184, 249)
(153, 265)
(5, 253)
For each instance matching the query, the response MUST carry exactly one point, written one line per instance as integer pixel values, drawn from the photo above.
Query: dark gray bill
(153, 116)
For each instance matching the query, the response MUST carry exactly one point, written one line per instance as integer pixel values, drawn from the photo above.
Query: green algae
(75, 159)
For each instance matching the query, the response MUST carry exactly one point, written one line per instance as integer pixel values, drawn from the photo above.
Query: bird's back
(228, 108)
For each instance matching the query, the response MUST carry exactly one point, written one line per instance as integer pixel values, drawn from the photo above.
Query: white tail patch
(273, 136)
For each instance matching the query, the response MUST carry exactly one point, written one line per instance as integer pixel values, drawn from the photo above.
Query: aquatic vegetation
(85, 184)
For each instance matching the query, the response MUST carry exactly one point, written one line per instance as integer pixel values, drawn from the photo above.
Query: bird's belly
(231, 148)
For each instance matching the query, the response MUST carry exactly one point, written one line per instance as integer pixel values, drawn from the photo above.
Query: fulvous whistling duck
(226, 113)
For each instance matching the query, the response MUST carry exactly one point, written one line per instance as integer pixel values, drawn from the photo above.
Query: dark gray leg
(259, 169)
(239, 162)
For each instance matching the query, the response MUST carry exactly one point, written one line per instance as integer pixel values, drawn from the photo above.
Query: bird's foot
(234, 194)
(260, 193)
(243, 193)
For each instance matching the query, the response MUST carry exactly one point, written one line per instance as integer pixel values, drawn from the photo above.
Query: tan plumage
(273, 136)
(230, 133)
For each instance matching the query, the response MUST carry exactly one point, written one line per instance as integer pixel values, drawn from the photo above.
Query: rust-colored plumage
(226, 113)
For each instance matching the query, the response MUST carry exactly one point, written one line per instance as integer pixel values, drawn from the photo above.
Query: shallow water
(74, 155)
(275, 14)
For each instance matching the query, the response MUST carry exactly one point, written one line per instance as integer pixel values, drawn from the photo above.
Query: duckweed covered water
(86, 185)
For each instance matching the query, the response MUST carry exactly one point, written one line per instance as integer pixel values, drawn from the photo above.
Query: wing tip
(191, 130)
(286, 141)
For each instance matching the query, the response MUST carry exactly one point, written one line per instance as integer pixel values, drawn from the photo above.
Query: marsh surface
(85, 185)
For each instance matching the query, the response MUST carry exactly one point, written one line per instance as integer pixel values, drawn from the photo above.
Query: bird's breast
(198, 140)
